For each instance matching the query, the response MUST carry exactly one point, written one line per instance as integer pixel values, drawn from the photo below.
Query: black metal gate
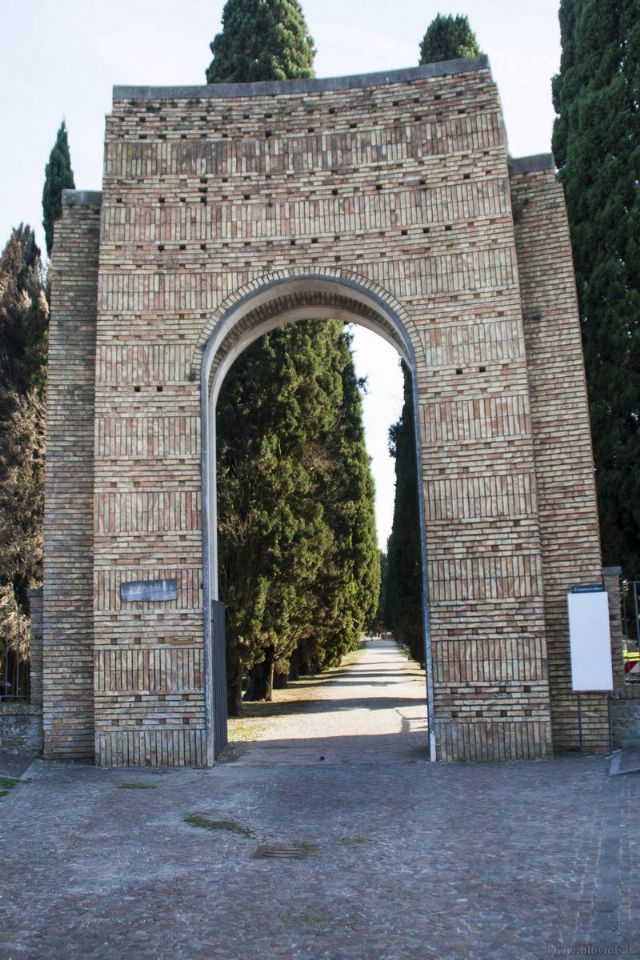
(219, 644)
(631, 611)
(14, 675)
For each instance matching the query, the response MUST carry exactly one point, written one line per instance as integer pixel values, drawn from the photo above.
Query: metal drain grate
(281, 853)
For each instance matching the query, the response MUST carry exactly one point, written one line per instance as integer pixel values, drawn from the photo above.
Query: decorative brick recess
(384, 199)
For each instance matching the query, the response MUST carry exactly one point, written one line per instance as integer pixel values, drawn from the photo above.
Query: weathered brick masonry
(68, 703)
(562, 438)
(225, 210)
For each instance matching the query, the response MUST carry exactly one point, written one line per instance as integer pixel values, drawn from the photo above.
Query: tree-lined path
(371, 708)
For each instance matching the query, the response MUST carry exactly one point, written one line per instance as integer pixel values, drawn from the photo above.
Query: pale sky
(61, 58)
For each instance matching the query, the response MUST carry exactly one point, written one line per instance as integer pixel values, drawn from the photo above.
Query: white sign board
(590, 639)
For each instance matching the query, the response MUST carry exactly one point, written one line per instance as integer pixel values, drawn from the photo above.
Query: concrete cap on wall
(534, 164)
(81, 198)
(273, 88)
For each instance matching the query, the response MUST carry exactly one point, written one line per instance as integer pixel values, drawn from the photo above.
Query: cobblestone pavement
(392, 859)
(376, 704)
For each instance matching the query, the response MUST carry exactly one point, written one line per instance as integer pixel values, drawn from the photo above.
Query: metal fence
(218, 638)
(631, 629)
(15, 675)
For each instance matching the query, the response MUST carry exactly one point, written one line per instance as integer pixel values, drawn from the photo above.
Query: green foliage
(261, 40)
(21, 513)
(24, 319)
(403, 586)
(58, 176)
(299, 565)
(270, 527)
(596, 142)
(448, 38)
(346, 594)
(382, 613)
(205, 823)
(137, 786)
(7, 784)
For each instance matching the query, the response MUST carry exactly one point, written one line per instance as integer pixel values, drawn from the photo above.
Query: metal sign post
(590, 643)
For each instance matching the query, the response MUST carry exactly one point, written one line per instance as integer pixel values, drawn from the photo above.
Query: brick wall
(399, 184)
(387, 199)
(562, 439)
(68, 538)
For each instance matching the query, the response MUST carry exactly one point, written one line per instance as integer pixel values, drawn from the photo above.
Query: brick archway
(251, 313)
(388, 198)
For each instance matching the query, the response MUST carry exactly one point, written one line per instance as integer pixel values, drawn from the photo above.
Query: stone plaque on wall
(145, 590)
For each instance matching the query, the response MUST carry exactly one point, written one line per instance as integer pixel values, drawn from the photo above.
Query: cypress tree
(596, 142)
(261, 40)
(271, 526)
(58, 177)
(355, 496)
(403, 587)
(382, 614)
(291, 542)
(299, 567)
(24, 317)
(448, 38)
(346, 594)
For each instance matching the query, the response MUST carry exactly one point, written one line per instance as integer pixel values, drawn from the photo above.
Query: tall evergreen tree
(382, 614)
(345, 595)
(596, 142)
(58, 177)
(299, 566)
(271, 528)
(261, 40)
(403, 587)
(448, 38)
(291, 539)
(24, 317)
(355, 495)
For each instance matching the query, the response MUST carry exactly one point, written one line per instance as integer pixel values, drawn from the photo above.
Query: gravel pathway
(372, 708)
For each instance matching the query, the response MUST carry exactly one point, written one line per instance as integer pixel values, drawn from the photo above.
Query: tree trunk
(294, 666)
(261, 682)
(280, 677)
(234, 692)
(270, 662)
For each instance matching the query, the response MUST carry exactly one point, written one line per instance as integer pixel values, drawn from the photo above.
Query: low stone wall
(21, 728)
(625, 716)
